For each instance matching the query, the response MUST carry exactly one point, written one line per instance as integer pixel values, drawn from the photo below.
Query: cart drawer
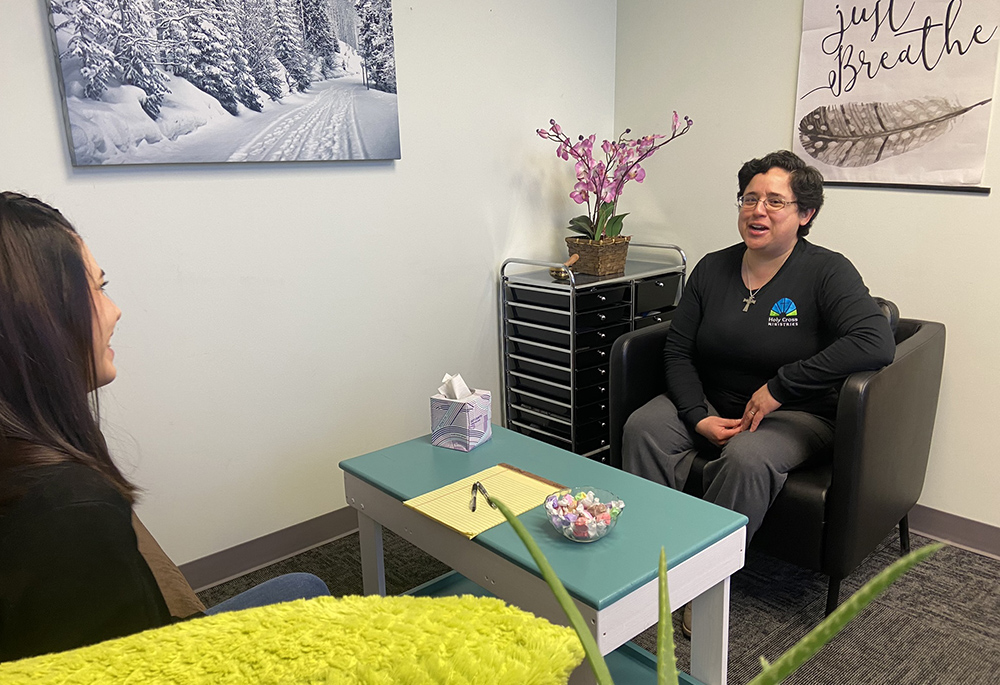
(586, 299)
(584, 358)
(559, 374)
(657, 294)
(588, 412)
(653, 319)
(599, 337)
(555, 391)
(560, 319)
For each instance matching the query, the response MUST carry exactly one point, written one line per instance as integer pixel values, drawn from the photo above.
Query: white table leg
(710, 635)
(372, 562)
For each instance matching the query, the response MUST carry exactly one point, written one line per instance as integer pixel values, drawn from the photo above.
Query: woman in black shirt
(71, 573)
(762, 338)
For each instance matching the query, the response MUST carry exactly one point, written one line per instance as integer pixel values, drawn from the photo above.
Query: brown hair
(806, 181)
(46, 345)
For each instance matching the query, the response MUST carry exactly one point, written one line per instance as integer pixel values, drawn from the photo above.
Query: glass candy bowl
(583, 513)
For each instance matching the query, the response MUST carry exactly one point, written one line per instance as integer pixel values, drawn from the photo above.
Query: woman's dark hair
(807, 181)
(46, 345)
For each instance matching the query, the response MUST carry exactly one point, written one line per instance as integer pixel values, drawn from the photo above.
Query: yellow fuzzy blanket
(327, 641)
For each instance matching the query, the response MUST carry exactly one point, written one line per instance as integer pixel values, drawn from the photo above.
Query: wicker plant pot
(599, 257)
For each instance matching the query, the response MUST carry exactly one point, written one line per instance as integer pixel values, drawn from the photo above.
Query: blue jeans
(286, 588)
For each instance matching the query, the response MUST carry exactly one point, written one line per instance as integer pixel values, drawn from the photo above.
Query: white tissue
(454, 387)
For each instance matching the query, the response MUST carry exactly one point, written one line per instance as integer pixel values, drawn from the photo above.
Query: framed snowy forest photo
(182, 81)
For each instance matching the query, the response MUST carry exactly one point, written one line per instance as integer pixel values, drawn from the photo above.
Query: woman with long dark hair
(71, 572)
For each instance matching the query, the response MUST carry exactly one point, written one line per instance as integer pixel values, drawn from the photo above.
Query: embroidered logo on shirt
(783, 313)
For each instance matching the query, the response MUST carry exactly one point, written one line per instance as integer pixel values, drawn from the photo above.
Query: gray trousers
(751, 468)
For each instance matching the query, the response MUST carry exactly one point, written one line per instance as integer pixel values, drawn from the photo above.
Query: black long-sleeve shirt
(70, 570)
(813, 324)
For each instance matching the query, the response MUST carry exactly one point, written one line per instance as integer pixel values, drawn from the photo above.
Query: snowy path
(325, 127)
(335, 119)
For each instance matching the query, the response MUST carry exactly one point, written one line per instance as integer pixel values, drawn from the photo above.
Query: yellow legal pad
(517, 489)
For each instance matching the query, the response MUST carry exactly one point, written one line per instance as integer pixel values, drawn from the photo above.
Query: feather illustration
(862, 133)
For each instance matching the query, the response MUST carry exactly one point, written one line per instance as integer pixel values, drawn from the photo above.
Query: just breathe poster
(897, 92)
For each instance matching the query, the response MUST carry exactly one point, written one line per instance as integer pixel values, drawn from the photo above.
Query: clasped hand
(719, 431)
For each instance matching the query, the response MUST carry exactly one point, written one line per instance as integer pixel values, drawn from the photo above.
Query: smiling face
(106, 315)
(770, 233)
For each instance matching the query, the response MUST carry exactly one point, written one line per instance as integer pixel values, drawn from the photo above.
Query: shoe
(686, 621)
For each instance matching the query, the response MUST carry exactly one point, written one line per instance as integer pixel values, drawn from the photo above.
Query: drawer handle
(603, 407)
(603, 371)
(602, 317)
(659, 320)
(660, 284)
(602, 334)
(602, 390)
(602, 353)
(602, 298)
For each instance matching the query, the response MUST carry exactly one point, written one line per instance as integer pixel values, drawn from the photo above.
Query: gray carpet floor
(939, 624)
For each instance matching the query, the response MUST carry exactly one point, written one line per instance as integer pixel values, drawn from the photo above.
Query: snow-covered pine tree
(318, 34)
(135, 50)
(376, 43)
(92, 30)
(345, 21)
(239, 65)
(288, 47)
(256, 20)
(209, 66)
(171, 33)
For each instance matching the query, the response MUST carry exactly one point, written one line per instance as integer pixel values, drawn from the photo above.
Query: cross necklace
(749, 300)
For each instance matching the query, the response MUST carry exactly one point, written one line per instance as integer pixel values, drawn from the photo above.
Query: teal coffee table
(613, 581)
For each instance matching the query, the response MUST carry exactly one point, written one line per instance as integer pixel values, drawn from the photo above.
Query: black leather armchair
(829, 516)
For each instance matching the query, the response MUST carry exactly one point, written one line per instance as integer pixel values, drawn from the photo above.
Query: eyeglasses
(771, 204)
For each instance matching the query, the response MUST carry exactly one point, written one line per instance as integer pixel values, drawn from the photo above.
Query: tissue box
(461, 424)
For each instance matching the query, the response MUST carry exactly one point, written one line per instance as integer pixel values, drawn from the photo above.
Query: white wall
(933, 253)
(280, 318)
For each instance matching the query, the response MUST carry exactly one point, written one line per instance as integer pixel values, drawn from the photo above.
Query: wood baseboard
(263, 551)
(956, 530)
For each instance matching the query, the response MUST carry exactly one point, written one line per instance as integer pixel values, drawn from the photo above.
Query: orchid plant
(600, 182)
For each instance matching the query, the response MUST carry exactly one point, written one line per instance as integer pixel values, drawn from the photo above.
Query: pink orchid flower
(605, 179)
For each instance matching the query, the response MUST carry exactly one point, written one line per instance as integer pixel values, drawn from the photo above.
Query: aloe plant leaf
(666, 658)
(805, 648)
(576, 620)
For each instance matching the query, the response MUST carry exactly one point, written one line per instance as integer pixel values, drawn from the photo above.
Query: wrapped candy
(583, 514)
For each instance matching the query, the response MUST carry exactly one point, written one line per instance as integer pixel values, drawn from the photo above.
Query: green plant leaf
(597, 663)
(614, 227)
(604, 213)
(666, 658)
(583, 225)
(805, 648)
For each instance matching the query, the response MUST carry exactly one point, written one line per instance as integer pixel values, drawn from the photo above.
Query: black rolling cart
(556, 338)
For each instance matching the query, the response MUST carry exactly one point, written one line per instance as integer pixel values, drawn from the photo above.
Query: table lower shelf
(628, 664)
